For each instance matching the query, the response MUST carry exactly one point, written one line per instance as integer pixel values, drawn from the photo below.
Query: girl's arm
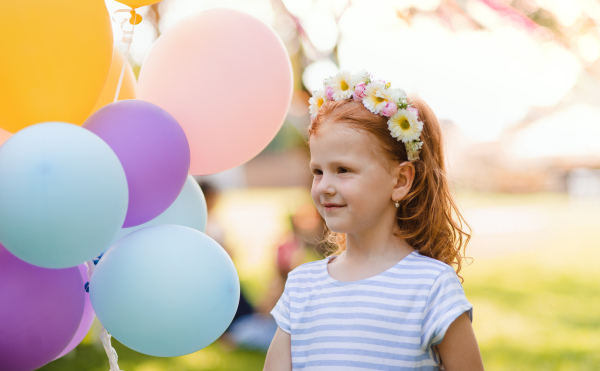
(279, 355)
(459, 350)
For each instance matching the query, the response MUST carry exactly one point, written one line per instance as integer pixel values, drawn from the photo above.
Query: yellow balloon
(110, 87)
(137, 3)
(55, 60)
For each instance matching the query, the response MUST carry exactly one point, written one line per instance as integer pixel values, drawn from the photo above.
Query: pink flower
(359, 91)
(329, 92)
(390, 109)
(414, 110)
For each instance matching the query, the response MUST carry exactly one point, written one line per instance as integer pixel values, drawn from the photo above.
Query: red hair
(428, 217)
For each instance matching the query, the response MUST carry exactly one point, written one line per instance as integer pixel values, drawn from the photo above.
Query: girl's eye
(343, 170)
(317, 172)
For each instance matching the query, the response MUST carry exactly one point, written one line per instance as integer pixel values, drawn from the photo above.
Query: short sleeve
(446, 302)
(281, 312)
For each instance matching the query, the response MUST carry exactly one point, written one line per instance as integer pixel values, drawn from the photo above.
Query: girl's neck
(364, 248)
(364, 258)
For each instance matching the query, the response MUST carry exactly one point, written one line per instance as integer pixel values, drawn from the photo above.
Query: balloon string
(110, 351)
(104, 335)
(127, 39)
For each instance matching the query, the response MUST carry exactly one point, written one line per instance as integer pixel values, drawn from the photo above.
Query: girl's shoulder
(417, 257)
(418, 261)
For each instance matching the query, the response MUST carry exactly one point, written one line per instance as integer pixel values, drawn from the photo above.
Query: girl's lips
(332, 207)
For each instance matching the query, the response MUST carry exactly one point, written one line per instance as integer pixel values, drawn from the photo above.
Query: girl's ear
(404, 174)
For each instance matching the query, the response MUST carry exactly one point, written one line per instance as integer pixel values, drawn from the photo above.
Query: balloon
(55, 60)
(4, 135)
(63, 195)
(189, 209)
(137, 3)
(227, 79)
(40, 311)
(127, 90)
(165, 290)
(153, 150)
(86, 320)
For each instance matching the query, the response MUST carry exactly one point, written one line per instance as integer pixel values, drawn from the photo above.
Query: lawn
(91, 357)
(534, 283)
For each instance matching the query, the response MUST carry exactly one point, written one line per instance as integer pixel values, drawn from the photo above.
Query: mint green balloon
(63, 195)
(165, 290)
(188, 209)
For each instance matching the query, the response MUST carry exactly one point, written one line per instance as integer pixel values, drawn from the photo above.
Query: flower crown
(378, 97)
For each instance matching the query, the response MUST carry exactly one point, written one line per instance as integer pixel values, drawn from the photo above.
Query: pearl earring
(397, 204)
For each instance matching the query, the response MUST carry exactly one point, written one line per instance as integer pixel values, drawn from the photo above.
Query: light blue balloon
(189, 209)
(63, 195)
(165, 290)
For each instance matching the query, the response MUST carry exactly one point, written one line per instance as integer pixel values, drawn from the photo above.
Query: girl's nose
(326, 186)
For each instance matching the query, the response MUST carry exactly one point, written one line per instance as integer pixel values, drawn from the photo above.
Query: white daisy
(316, 101)
(343, 85)
(405, 126)
(361, 76)
(397, 95)
(377, 96)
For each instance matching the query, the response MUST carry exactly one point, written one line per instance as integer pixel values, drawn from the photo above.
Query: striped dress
(391, 321)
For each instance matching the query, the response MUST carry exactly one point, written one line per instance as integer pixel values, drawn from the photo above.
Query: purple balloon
(40, 310)
(153, 150)
(88, 316)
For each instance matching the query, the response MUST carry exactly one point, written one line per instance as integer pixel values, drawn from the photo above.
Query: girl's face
(352, 188)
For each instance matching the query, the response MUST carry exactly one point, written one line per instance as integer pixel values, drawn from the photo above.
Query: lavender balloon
(40, 311)
(153, 150)
(86, 320)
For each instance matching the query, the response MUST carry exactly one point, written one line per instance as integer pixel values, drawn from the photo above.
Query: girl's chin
(336, 228)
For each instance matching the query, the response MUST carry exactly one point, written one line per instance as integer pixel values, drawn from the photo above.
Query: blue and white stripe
(391, 321)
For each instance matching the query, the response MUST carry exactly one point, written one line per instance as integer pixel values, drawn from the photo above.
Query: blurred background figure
(303, 242)
(213, 227)
(254, 327)
(231, 338)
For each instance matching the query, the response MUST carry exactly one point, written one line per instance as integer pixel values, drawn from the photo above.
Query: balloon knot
(97, 260)
(122, 20)
(135, 18)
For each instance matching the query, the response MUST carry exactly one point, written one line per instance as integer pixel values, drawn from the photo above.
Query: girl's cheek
(313, 191)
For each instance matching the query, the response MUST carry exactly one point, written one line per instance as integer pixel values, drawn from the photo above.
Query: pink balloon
(4, 135)
(226, 78)
(86, 321)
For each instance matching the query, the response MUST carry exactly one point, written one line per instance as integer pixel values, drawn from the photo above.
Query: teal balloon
(165, 290)
(63, 195)
(188, 209)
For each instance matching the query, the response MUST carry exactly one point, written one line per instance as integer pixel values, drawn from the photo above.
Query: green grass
(91, 357)
(529, 318)
(536, 297)
(536, 306)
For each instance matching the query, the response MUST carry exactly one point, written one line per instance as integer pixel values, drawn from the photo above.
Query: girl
(389, 298)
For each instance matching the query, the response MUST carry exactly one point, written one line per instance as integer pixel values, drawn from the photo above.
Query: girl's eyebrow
(338, 163)
(330, 165)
